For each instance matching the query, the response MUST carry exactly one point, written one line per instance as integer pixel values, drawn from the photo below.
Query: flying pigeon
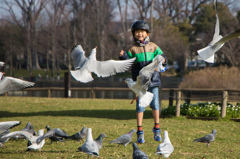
(124, 139)
(208, 138)
(85, 66)
(29, 128)
(3, 140)
(137, 153)
(53, 132)
(89, 147)
(99, 141)
(165, 148)
(140, 86)
(207, 53)
(10, 83)
(79, 136)
(54, 138)
(4, 126)
(29, 137)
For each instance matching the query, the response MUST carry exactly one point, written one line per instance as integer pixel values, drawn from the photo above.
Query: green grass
(114, 118)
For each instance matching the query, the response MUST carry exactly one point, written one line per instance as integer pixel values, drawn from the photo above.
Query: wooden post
(178, 101)
(224, 103)
(49, 93)
(188, 97)
(93, 94)
(6, 94)
(67, 84)
(171, 94)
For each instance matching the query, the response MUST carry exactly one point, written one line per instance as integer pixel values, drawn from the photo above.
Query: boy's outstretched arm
(123, 55)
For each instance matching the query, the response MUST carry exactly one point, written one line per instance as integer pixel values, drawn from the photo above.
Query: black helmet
(140, 24)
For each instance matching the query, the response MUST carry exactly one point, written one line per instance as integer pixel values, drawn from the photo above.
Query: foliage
(213, 77)
(112, 117)
(203, 110)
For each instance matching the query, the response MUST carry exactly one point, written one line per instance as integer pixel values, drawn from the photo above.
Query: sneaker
(157, 134)
(140, 137)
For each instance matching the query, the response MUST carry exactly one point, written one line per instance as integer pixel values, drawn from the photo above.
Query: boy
(145, 51)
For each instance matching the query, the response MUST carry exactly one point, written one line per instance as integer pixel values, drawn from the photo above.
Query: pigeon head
(84, 130)
(214, 131)
(48, 128)
(135, 147)
(128, 80)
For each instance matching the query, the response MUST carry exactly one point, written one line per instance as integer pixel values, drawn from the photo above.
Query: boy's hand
(121, 53)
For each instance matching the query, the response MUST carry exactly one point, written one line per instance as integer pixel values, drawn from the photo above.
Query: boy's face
(140, 34)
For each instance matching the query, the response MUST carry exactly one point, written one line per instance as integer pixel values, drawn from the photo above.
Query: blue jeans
(155, 102)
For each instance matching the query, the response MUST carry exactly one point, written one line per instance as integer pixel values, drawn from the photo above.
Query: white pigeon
(4, 126)
(165, 148)
(207, 53)
(89, 147)
(10, 83)
(30, 137)
(85, 66)
(140, 86)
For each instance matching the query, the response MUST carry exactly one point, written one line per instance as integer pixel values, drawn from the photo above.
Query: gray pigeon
(99, 141)
(4, 126)
(3, 140)
(124, 139)
(54, 138)
(79, 136)
(53, 132)
(137, 153)
(208, 138)
(89, 147)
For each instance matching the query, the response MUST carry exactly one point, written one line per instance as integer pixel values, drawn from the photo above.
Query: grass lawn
(114, 118)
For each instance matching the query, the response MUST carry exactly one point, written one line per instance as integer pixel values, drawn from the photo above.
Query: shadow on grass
(111, 114)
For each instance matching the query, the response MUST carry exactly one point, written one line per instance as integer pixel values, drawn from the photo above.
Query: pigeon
(13, 84)
(3, 140)
(54, 138)
(165, 148)
(29, 137)
(208, 138)
(4, 126)
(207, 53)
(89, 147)
(140, 86)
(85, 66)
(79, 136)
(2, 64)
(29, 128)
(99, 141)
(53, 132)
(137, 153)
(124, 139)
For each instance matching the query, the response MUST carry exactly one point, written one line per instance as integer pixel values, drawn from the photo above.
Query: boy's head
(140, 29)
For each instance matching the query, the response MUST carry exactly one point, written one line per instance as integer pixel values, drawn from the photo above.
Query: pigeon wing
(208, 138)
(232, 35)
(216, 36)
(4, 126)
(26, 134)
(53, 132)
(110, 67)
(149, 69)
(78, 56)
(10, 83)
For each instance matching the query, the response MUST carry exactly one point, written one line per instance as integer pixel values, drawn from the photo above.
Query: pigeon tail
(82, 75)
(146, 99)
